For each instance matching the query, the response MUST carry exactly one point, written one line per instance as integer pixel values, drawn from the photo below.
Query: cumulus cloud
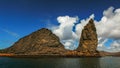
(65, 31)
(107, 28)
(109, 24)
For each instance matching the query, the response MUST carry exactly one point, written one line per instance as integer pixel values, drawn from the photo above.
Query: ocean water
(104, 62)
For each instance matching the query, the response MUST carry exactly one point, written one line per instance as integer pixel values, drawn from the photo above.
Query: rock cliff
(88, 41)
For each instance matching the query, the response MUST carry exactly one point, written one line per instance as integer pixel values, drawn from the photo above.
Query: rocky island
(44, 43)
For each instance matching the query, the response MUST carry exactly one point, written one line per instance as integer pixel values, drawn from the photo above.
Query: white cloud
(107, 28)
(64, 31)
(109, 12)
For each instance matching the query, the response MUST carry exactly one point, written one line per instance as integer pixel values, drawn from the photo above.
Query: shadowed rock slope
(40, 42)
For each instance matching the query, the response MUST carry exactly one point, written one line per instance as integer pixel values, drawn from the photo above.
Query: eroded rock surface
(41, 42)
(88, 40)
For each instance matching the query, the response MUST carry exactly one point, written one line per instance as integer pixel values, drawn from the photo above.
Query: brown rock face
(40, 42)
(88, 40)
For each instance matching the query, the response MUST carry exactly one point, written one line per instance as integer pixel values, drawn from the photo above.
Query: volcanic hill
(39, 42)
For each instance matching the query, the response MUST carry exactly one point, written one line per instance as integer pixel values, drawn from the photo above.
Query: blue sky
(19, 18)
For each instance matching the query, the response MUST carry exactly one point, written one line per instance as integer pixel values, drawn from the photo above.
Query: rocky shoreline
(43, 56)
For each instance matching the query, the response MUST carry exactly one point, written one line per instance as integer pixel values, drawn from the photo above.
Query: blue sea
(90, 62)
